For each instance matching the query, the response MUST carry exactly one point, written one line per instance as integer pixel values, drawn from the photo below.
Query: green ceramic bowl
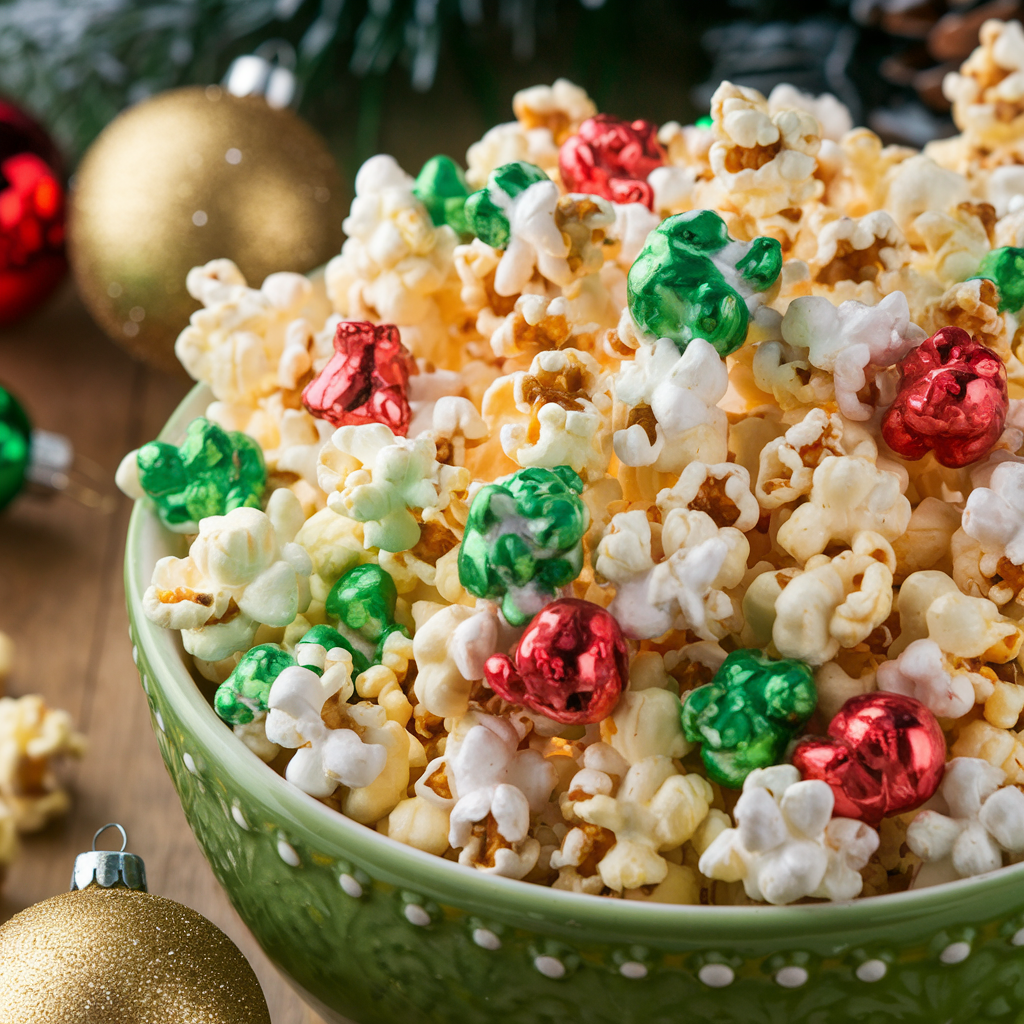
(381, 933)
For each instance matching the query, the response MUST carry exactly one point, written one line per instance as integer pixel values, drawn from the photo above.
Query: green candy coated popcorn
(441, 187)
(327, 639)
(364, 600)
(15, 446)
(243, 695)
(486, 211)
(211, 473)
(748, 713)
(691, 280)
(524, 540)
(1005, 268)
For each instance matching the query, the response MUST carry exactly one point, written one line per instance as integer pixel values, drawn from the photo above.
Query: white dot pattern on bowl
(160, 725)
(416, 915)
(955, 953)
(189, 763)
(486, 939)
(1018, 937)
(550, 967)
(236, 813)
(791, 977)
(716, 975)
(135, 654)
(351, 886)
(287, 853)
(633, 969)
(872, 970)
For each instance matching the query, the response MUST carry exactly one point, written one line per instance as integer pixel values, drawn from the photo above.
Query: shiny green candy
(211, 473)
(243, 695)
(1005, 268)
(441, 187)
(691, 280)
(15, 446)
(745, 717)
(364, 600)
(314, 645)
(486, 210)
(524, 540)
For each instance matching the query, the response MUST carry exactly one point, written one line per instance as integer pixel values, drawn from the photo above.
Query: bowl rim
(448, 880)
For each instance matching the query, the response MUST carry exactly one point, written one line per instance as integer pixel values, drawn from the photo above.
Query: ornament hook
(111, 824)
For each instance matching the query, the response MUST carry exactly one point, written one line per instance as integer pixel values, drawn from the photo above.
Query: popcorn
(325, 758)
(656, 809)
(986, 819)
(395, 267)
(724, 282)
(922, 671)
(673, 412)
(786, 844)
(523, 540)
(564, 398)
(240, 572)
(492, 788)
(375, 478)
(747, 714)
(764, 161)
(235, 343)
(852, 342)
(832, 603)
(685, 590)
(994, 514)
(849, 495)
(32, 738)
(210, 473)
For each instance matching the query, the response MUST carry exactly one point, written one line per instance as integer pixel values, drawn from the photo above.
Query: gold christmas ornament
(189, 176)
(109, 952)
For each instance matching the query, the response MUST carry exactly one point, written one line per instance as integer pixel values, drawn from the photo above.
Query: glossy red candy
(611, 158)
(952, 400)
(366, 380)
(571, 664)
(885, 755)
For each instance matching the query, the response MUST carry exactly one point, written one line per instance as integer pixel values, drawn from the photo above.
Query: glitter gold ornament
(189, 176)
(109, 952)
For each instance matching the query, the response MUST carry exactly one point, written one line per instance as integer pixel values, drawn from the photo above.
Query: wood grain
(62, 601)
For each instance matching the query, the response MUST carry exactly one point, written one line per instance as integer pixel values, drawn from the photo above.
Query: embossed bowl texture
(379, 933)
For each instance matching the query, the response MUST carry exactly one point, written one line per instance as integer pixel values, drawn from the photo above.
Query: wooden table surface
(62, 601)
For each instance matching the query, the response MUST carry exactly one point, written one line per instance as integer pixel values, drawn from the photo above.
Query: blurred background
(187, 176)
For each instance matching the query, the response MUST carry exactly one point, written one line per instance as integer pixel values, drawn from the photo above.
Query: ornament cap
(109, 869)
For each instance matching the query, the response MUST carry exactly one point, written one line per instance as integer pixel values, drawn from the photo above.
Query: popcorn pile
(33, 738)
(647, 518)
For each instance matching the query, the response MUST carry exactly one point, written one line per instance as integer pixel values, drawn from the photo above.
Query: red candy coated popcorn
(952, 400)
(885, 755)
(611, 158)
(366, 380)
(571, 664)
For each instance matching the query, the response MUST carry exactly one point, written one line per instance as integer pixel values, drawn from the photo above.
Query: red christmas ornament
(32, 260)
(611, 158)
(885, 756)
(366, 380)
(571, 664)
(952, 400)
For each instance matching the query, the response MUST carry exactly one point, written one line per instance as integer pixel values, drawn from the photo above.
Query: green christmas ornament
(1004, 267)
(364, 601)
(243, 695)
(15, 446)
(748, 713)
(524, 540)
(691, 280)
(209, 474)
(441, 187)
(486, 211)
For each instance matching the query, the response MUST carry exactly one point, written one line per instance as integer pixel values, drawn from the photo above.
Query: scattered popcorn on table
(640, 512)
